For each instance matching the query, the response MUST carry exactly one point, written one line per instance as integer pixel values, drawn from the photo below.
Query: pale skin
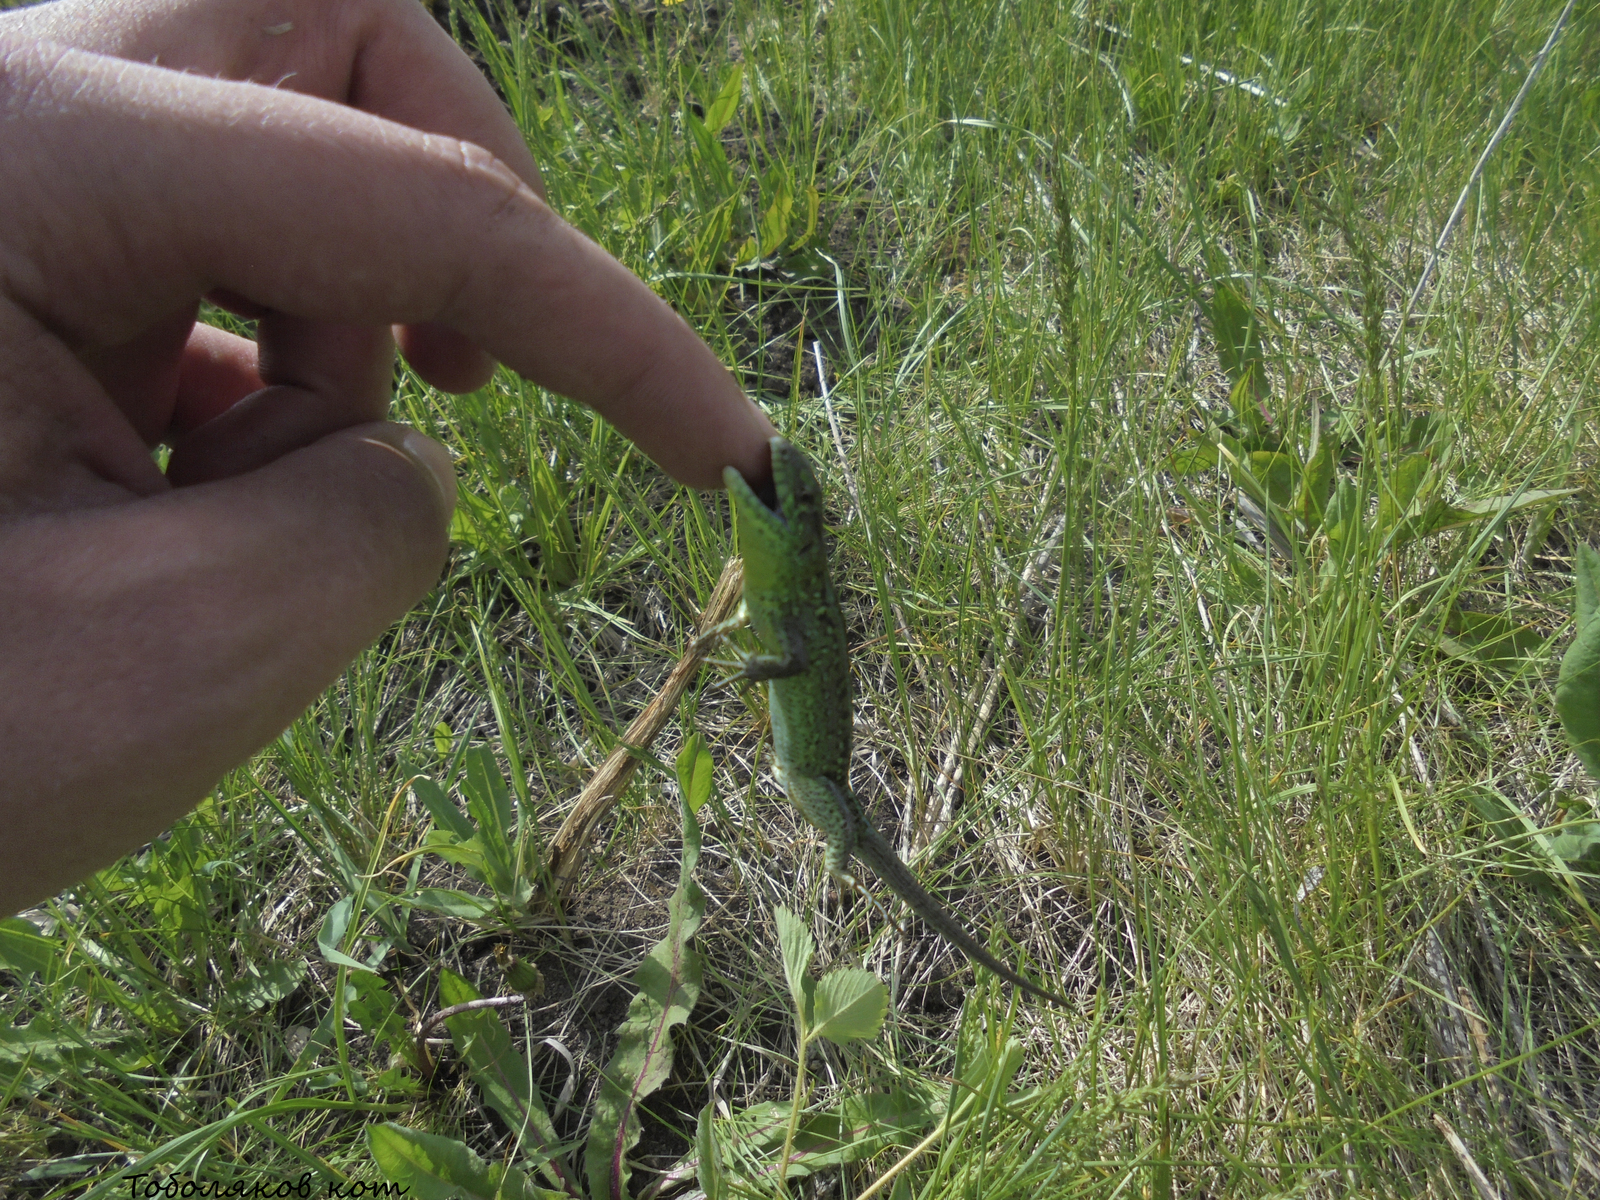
(335, 169)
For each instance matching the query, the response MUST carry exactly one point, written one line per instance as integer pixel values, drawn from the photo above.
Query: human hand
(159, 629)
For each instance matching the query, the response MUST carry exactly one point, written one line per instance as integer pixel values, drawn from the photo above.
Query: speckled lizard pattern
(790, 602)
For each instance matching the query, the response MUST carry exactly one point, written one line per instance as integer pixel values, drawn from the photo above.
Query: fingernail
(435, 459)
(426, 453)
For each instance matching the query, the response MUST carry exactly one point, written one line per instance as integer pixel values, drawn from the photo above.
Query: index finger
(327, 213)
(386, 57)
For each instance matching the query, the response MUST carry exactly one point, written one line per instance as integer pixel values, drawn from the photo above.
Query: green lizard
(790, 601)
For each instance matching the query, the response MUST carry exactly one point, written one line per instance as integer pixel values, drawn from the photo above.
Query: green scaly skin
(790, 601)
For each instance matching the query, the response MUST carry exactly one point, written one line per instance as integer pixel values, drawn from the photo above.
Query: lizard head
(794, 518)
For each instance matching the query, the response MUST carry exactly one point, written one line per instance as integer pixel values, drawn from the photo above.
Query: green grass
(1225, 801)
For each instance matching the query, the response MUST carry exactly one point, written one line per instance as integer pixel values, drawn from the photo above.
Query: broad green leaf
(43, 1044)
(444, 739)
(850, 1004)
(981, 1065)
(489, 804)
(469, 854)
(264, 984)
(431, 1167)
(488, 798)
(502, 1075)
(1448, 516)
(777, 189)
(1491, 639)
(669, 986)
(26, 951)
(797, 949)
(331, 936)
(1505, 821)
(1191, 460)
(1236, 328)
(1397, 494)
(1578, 696)
(1344, 512)
(370, 1004)
(1238, 463)
(455, 989)
(1316, 483)
(1276, 472)
(1578, 844)
(708, 1160)
(720, 111)
(813, 199)
(1545, 858)
(696, 770)
(711, 158)
(448, 902)
(1586, 570)
(441, 808)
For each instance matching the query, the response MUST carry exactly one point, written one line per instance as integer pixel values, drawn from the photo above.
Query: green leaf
(455, 989)
(26, 951)
(1397, 494)
(858, 1128)
(331, 936)
(264, 984)
(448, 902)
(371, 1005)
(469, 854)
(982, 1064)
(1236, 328)
(669, 983)
(797, 949)
(1316, 483)
(431, 1167)
(1447, 516)
(488, 798)
(552, 523)
(444, 739)
(441, 808)
(1191, 460)
(696, 770)
(1578, 844)
(1586, 572)
(709, 1174)
(1578, 696)
(813, 199)
(1276, 472)
(43, 1044)
(489, 804)
(1490, 639)
(850, 1004)
(712, 159)
(720, 111)
(1342, 520)
(502, 1075)
(777, 189)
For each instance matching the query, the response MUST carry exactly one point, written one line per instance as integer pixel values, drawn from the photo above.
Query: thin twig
(606, 784)
(424, 1058)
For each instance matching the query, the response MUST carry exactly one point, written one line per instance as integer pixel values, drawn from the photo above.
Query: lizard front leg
(753, 666)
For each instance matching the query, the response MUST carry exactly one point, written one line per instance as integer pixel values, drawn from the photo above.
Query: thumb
(146, 648)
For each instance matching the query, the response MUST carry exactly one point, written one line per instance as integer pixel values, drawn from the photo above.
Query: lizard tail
(880, 856)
